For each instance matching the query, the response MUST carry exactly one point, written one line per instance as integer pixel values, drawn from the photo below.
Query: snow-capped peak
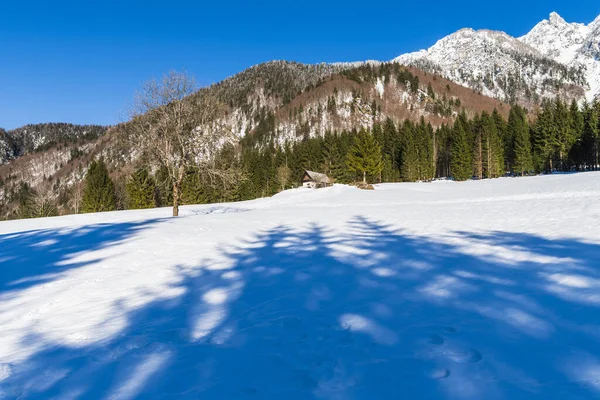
(556, 19)
(557, 39)
(483, 60)
(572, 44)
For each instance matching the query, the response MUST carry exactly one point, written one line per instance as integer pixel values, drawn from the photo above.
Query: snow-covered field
(475, 290)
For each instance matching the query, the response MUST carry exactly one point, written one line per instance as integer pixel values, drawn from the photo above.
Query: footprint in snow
(436, 340)
(441, 373)
(463, 356)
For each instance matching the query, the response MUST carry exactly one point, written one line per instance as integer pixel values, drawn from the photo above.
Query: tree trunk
(364, 177)
(175, 200)
(490, 170)
(176, 186)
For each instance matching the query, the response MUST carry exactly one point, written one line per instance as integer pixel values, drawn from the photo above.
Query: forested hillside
(407, 125)
(39, 137)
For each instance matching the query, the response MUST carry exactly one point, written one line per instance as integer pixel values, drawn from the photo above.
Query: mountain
(557, 39)
(555, 58)
(31, 138)
(309, 100)
(280, 103)
(573, 44)
(269, 104)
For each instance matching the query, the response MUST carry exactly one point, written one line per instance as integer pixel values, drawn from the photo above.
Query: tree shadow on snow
(375, 313)
(39, 256)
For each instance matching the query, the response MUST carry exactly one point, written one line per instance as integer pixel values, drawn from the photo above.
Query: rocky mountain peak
(556, 19)
(555, 58)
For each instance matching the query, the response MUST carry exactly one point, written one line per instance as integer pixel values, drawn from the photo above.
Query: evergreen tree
(591, 133)
(460, 164)
(141, 190)
(365, 156)
(99, 191)
(478, 148)
(566, 137)
(409, 156)
(500, 123)
(519, 130)
(544, 137)
(164, 188)
(424, 134)
(493, 154)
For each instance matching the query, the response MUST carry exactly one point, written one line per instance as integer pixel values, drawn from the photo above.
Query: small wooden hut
(315, 180)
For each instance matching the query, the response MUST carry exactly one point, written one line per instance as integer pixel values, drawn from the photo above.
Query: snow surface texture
(468, 53)
(475, 290)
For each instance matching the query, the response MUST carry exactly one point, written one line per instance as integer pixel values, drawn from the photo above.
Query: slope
(446, 290)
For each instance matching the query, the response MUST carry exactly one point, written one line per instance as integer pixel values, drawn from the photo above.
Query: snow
(482, 289)
(466, 55)
(379, 86)
(571, 44)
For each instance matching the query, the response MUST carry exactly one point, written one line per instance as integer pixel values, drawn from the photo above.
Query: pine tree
(493, 153)
(544, 137)
(424, 134)
(566, 137)
(99, 191)
(409, 155)
(141, 190)
(591, 133)
(478, 148)
(460, 164)
(500, 123)
(365, 156)
(519, 130)
(164, 188)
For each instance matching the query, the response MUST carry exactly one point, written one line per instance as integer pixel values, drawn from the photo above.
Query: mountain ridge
(554, 53)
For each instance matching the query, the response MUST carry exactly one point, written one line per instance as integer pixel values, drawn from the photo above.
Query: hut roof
(317, 177)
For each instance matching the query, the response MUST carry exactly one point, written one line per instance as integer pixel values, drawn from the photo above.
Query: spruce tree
(99, 191)
(460, 164)
(493, 152)
(164, 187)
(500, 123)
(409, 155)
(566, 136)
(364, 157)
(519, 130)
(591, 133)
(543, 138)
(478, 148)
(141, 190)
(424, 134)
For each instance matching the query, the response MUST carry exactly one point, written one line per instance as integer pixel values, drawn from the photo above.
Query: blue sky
(81, 61)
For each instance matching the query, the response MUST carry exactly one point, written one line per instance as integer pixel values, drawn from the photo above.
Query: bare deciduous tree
(40, 203)
(179, 129)
(76, 197)
(283, 176)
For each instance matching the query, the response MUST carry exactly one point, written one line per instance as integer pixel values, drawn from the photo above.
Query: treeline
(559, 137)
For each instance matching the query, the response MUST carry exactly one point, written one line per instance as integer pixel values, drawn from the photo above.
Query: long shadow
(373, 313)
(35, 257)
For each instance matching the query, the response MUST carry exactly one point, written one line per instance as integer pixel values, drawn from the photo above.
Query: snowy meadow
(475, 290)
